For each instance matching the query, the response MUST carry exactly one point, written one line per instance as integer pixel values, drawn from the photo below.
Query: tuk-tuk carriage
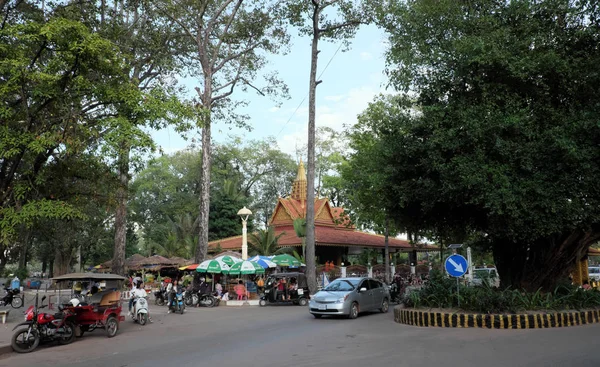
(100, 310)
(286, 288)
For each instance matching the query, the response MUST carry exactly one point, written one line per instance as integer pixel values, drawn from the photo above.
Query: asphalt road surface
(289, 336)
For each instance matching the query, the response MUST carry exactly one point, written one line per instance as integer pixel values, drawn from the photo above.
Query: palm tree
(264, 242)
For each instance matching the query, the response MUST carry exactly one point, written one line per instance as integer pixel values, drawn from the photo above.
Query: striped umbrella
(229, 260)
(246, 267)
(212, 266)
(265, 263)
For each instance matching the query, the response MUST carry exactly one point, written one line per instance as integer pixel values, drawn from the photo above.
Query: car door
(377, 293)
(365, 299)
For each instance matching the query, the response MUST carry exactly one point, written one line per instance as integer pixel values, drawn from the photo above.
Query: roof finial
(299, 186)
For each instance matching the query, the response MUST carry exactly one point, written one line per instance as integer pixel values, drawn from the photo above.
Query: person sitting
(240, 290)
(293, 289)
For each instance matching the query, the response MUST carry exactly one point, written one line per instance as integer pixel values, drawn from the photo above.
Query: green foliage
(440, 292)
(499, 144)
(264, 242)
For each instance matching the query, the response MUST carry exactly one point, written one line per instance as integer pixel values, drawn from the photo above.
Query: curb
(495, 321)
(5, 349)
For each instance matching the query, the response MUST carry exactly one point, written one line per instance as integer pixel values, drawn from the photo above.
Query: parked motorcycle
(207, 300)
(11, 298)
(201, 299)
(42, 327)
(160, 297)
(140, 311)
(178, 303)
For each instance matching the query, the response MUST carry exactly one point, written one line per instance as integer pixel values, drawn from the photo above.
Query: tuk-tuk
(286, 288)
(102, 310)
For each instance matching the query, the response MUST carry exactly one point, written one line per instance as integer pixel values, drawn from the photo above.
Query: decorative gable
(280, 215)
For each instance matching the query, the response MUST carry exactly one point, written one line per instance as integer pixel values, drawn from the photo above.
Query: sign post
(456, 266)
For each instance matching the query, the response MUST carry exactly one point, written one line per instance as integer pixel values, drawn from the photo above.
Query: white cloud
(334, 112)
(334, 98)
(366, 56)
(273, 109)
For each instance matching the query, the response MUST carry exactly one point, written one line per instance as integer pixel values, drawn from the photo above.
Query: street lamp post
(244, 213)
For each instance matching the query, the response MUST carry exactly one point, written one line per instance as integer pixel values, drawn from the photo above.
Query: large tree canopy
(503, 139)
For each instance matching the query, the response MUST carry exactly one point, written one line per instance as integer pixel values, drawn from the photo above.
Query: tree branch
(235, 56)
(224, 34)
(340, 25)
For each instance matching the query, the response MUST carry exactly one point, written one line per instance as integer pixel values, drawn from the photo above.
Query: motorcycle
(140, 311)
(208, 300)
(201, 299)
(160, 297)
(11, 298)
(396, 293)
(43, 327)
(178, 303)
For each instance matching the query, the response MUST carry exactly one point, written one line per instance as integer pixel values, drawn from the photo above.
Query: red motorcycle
(43, 327)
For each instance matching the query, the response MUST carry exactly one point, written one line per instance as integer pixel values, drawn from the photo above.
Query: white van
(491, 274)
(594, 273)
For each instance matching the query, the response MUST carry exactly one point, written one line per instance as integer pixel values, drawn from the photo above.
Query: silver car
(349, 296)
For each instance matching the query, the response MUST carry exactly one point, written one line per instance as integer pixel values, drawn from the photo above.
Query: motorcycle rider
(138, 292)
(171, 290)
(203, 288)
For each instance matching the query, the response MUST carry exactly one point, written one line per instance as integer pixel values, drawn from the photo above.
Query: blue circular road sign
(456, 265)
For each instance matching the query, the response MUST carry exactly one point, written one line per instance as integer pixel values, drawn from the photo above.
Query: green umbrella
(212, 266)
(246, 267)
(286, 260)
(229, 260)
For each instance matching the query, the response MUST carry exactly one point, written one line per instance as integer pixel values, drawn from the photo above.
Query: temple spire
(299, 186)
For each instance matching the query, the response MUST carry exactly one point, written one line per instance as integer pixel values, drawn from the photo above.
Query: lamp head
(244, 213)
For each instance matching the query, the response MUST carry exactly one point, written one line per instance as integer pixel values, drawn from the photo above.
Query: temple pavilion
(335, 236)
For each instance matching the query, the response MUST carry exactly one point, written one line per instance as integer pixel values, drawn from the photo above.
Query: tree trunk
(311, 267)
(51, 268)
(387, 250)
(62, 261)
(544, 263)
(204, 191)
(24, 239)
(118, 260)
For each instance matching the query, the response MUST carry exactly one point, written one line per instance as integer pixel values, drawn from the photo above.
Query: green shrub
(441, 292)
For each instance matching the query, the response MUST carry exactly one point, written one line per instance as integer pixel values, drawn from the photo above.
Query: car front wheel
(353, 311)
(385, 306)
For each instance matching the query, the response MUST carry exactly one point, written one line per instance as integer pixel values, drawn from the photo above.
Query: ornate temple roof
(332, 226)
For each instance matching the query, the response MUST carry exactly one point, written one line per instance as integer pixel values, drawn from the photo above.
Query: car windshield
(482, 274)
(342, 285)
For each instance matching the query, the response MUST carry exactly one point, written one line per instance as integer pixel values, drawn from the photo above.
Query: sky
(350, 81)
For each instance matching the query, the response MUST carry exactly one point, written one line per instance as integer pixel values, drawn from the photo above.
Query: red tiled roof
(325, 236)
(341, 218)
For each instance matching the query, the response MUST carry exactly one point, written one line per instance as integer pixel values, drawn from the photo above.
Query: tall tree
(228, 42)
(149, 50)
(365, 172)
(58, 80)
(328, 20)
(505, 143)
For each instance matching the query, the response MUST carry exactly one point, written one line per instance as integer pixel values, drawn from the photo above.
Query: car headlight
(342, 299)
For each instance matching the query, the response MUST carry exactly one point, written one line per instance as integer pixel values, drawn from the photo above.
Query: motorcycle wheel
(159, 301)
(21, 344)
(142, 318)
(69, 335)
(188, 300)
(16, 302)
(182, 309)
(209, 301)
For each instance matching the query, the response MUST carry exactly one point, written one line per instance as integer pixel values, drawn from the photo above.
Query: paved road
(289, 336)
